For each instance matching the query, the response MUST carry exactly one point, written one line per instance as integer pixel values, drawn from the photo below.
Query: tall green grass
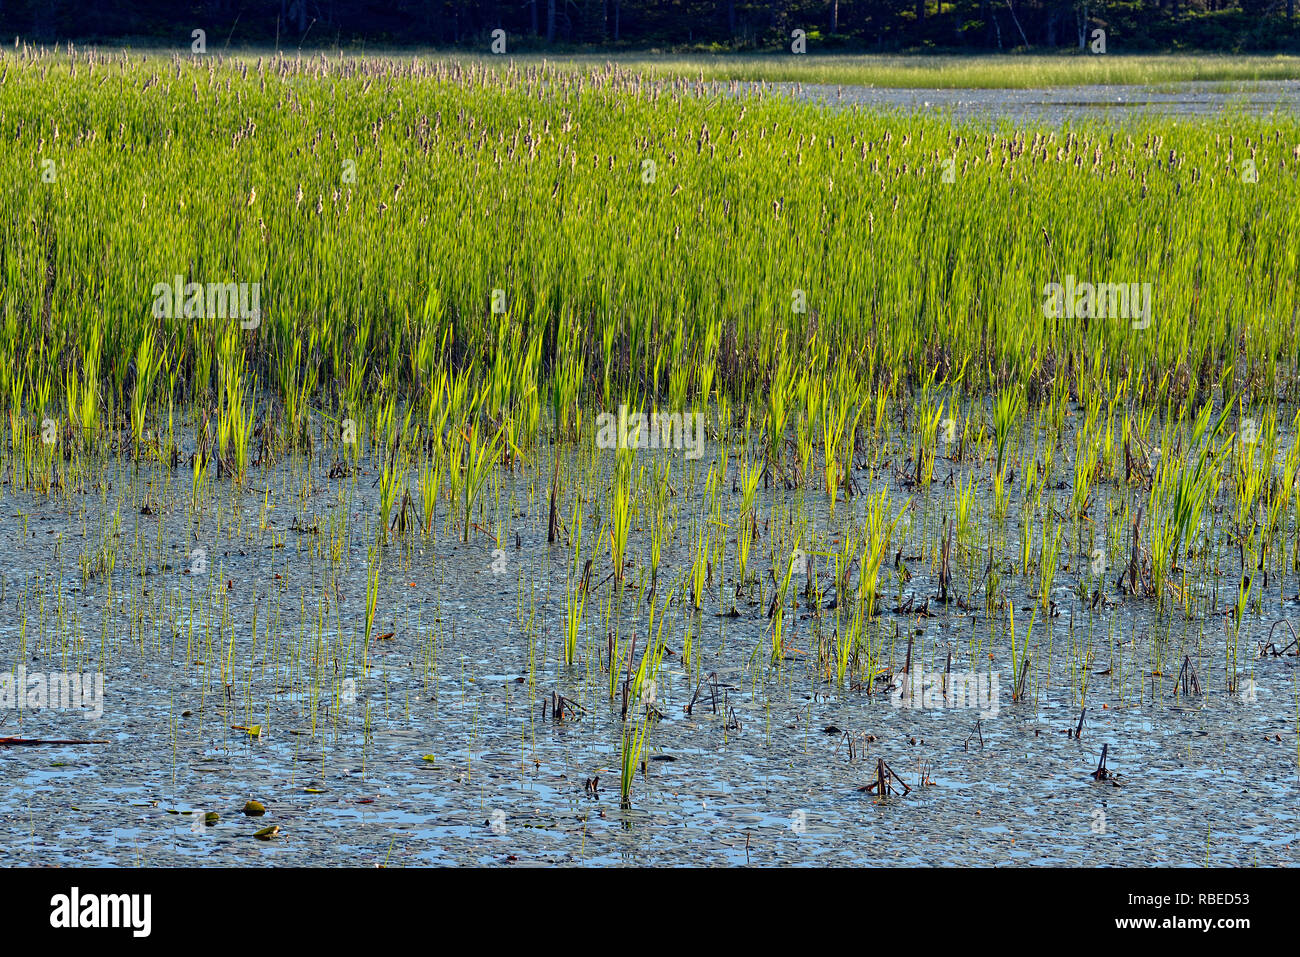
(380, 204)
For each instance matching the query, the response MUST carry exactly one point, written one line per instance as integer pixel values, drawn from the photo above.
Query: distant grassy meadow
(995, 71)
(1013, 358)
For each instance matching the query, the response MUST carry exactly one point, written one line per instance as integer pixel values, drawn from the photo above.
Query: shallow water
(1058, 105)
(443, 755)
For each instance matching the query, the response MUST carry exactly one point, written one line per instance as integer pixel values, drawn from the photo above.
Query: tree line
(744, 25)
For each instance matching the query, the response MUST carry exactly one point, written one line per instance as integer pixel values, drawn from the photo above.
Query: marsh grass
(1022, 70)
